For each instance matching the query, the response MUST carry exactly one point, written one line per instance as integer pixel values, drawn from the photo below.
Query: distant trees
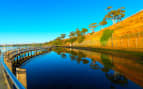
(63, 36)
(93, 26)
(72, 34)
(79, 35)
(56, 41)
(84, 30)
(78, 32)
(72, 37)
(109, 7)
(103, 22)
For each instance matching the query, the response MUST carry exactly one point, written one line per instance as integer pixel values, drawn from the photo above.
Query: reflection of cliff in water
(124, 67)
(106, 62)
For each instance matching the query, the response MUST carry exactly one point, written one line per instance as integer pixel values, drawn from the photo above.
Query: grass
(107, 34)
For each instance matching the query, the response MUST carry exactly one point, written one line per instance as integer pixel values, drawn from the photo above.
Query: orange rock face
(127, 35)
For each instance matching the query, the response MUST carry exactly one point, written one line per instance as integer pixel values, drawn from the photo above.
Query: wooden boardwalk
(12, 59)
(2, 79)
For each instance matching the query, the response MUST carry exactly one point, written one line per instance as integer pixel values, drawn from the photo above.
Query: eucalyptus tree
(84, 30)
(109, 7)
(103, 22)
(72, 34)
(72, 37)
(121, 13)
(63, 36)
(57, 41)
(78, 32)
(115, 15)
(93, 26)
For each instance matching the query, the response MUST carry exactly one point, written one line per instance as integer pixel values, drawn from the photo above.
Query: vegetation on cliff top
(79, 35)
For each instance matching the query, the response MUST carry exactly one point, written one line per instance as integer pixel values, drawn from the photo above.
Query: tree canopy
(115, 15)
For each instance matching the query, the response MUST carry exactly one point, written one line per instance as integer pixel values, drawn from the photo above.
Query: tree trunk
(93, 30)
(128, 41)
(120, 42)
(138, 34)
(112, 40)
(113, 20)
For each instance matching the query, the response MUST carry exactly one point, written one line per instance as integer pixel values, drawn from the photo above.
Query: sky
(38, 21)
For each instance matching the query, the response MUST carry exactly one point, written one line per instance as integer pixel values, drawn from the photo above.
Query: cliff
(124, 35)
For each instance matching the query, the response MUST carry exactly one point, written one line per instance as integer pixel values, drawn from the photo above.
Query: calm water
(81, 69)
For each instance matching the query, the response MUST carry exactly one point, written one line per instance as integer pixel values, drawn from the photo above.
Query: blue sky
(33, 21)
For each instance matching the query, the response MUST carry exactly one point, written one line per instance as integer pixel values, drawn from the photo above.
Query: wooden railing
(16, 57)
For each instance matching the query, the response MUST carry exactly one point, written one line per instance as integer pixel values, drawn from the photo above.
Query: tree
(115, 15)
(72, 37)
(93, 26)
(109, 7)
(121, 13)
(57, 41)
(103, 22)
(72, 34)
(63, 36)
(78, 32)
(84, 30)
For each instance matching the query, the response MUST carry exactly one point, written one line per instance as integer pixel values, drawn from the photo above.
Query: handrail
(16, 82)
(11, 75)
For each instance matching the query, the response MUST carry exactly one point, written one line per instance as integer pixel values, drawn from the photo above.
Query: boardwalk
(14, 58)
(2, 81)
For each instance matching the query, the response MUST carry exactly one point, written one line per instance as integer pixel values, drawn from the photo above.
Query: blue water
(58, 71)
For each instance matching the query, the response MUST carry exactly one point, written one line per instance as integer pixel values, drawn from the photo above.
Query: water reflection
(117, 78)
(107, 62)
(63, 55)
(118, 70)
(85, 61)
(95, 66)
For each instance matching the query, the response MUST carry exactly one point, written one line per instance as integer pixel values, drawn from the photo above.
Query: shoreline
(110, 51)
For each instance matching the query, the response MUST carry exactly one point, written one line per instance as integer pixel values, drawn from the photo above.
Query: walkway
(2, 80)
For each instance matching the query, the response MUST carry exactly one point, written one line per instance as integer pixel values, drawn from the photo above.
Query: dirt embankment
(124, 35)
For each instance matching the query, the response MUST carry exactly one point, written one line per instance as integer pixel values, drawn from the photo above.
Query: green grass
(107, 34)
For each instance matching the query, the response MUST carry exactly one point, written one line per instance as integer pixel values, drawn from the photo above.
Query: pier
(11, 61)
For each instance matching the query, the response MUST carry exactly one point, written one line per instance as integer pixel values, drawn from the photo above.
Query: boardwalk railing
(18, 56)
(15, 81)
